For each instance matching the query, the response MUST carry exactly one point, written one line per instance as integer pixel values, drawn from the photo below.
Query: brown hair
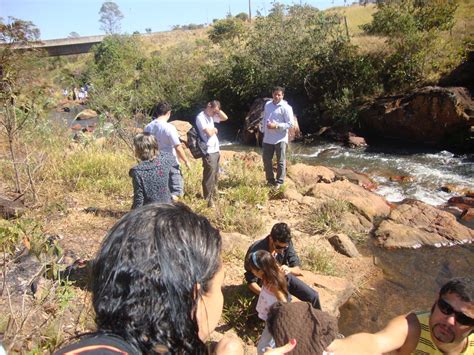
(262, 260)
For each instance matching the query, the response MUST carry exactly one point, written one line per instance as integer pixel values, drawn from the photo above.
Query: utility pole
(250, 10)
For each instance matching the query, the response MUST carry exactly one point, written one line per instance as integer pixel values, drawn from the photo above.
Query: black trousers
(299, 289)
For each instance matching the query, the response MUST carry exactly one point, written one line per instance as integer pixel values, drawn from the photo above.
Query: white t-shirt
(265, 301)
(166, 135)
(204, 121)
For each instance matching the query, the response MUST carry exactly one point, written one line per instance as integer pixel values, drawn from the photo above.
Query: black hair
(145, 275)
(461, 286)
(279, 88)
(160, 109)
(214, 104)
(281, 233)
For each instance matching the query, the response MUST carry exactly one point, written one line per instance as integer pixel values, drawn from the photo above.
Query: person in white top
(205, 125)
(168, 143)
(277, 120)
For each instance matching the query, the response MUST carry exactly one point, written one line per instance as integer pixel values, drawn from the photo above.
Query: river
(429, 170)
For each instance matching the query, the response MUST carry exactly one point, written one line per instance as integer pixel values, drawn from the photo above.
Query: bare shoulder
(413, 334)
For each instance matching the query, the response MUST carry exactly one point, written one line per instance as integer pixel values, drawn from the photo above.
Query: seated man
(446, 329)
(279, 244)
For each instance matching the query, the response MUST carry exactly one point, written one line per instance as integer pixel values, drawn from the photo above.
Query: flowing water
(428, 170)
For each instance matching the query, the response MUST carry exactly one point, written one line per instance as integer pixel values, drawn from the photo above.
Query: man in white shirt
(205, 124)
(168, 143)
(277, 120)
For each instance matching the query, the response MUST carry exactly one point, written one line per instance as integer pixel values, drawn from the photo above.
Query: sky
(58, 18)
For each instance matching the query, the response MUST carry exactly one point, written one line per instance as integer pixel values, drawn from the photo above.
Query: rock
(333, 291)
(305, 175)
(344, 245)
(461, 190)
(86, 114)
(461, 201)
(182, 127)
(431, 115)
(357, 178)
(11, 209)
(414, 224)
(355, 142)
(76, 127)
(401, 178)
(365, 202)
(250, 134)
(235, 241)
(468, 215)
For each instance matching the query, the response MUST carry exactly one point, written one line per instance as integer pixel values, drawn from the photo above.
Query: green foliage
(226, 30)
(413, 29)
(402, 17)
(239, 314)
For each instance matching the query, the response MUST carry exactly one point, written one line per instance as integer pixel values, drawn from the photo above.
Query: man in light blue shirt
(168, 143)
(277, 120)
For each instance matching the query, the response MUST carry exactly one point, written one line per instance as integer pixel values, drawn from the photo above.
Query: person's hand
(272, 125)
(282, 349)
(186, 162)
(215, 130)
(285, 269)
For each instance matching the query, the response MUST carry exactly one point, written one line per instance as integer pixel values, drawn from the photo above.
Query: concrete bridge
(65, 46)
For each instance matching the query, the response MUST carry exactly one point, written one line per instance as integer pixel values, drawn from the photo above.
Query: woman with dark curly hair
(156, 285)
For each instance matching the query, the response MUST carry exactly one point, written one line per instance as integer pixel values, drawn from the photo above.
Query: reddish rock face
(76, 127)
(431, 115)
(414, 224)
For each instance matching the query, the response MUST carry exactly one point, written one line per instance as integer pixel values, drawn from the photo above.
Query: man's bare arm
(222, 116)
(181, 154)
(398, 332)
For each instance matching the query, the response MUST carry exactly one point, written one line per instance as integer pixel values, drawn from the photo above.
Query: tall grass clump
(98, 170)
(327, 218)
(319, 261)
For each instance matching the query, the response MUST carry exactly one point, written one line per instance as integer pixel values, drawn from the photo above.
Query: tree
(148, 30)
(110, 17)
(73, 34)
(20, 89)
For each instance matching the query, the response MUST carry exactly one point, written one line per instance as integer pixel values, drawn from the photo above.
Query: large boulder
(365, 202)
(431, 115)
(306, 175)
(182, 127)
(414, 224)
(250, 134)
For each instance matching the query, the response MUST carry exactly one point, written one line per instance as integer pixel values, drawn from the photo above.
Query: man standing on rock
(168, 143)
(279, 244)
(277, 120)
(447, 329)
(205, 125)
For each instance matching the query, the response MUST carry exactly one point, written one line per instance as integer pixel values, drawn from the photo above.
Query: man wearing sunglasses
(279, 244)
(447, 329)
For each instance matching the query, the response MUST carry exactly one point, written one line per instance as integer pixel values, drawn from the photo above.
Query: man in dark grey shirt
(279, 244)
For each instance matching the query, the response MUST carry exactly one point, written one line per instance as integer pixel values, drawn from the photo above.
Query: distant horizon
(52, 19)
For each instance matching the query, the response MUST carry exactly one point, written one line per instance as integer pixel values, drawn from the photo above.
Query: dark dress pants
(299, 289)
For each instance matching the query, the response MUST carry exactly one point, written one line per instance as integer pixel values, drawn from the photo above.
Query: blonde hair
(146, 146)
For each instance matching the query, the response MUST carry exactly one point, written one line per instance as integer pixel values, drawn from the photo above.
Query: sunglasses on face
(279, 247)
(460, 317)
